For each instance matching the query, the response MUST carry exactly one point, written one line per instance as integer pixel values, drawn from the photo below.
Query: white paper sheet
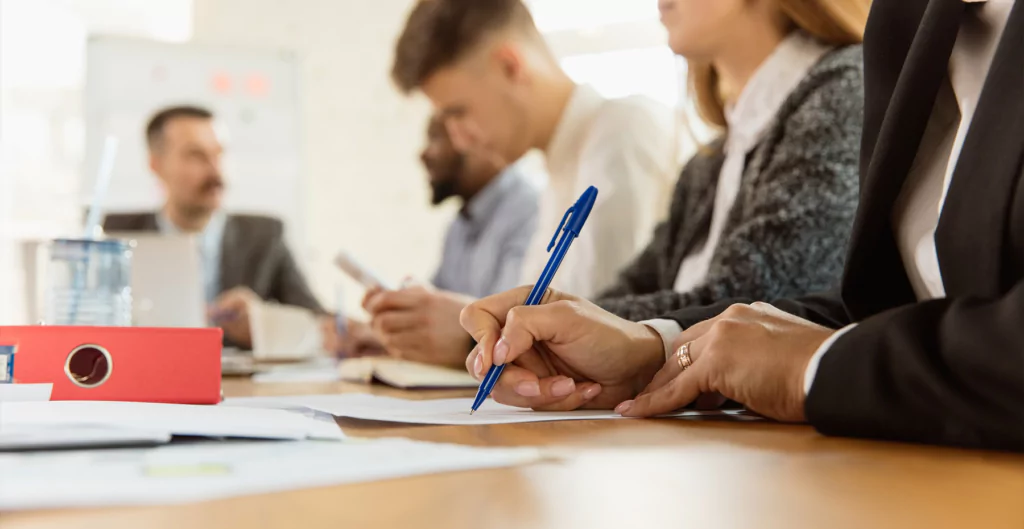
(207, 471)
(438, 411)
(25, 392)
(36, 437)
(316, 370)
(208, 421)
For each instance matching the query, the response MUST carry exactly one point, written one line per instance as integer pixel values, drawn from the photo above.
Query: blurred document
(438, 411)
(178, 419)
(314, 370)
(404, 374)
(281, 332)
(207, 471)
(33, 437)
(25, 392)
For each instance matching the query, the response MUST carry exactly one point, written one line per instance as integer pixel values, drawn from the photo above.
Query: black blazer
(253, 254)
(947, 371)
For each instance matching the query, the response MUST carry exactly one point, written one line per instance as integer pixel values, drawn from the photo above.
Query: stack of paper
(404, 374)
(176, 419)
(77, 436)
(25, 392)
(207, 471)
(439, 411)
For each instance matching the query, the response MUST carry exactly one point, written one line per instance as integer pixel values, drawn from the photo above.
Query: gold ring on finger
(683, 356)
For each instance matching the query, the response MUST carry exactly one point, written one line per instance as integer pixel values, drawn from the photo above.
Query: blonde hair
(834, 22)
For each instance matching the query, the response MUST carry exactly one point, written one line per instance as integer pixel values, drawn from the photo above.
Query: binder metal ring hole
(88, 366)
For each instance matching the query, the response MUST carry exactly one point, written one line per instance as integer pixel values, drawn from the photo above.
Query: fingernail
(528, 389)
(624, 407)
(478, 366)
(591, 392)
(563, 387)
(500, 351)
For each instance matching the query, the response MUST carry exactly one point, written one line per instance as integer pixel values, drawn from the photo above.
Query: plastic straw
(99, 194)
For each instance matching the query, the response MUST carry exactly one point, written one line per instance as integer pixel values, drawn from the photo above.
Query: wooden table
(624, 475)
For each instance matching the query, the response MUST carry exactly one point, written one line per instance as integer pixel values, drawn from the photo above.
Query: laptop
(167, 281)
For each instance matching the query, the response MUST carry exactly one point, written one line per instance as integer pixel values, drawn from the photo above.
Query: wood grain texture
(621, 474)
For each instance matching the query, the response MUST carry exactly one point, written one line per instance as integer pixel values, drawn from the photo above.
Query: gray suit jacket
(253, 254)
(786, 235)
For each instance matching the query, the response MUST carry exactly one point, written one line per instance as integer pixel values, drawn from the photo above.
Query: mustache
(213, 184)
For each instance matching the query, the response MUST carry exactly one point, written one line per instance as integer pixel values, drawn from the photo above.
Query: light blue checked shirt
(487, 241)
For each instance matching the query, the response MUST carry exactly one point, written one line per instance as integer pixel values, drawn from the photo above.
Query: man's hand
(231, 312)
(357, 340)
(564, 354)
(753, 354)
(420, 323)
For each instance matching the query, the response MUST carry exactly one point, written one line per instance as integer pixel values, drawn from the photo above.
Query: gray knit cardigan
(787, 232)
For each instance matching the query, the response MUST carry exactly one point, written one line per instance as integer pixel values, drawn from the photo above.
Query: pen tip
(471, 412)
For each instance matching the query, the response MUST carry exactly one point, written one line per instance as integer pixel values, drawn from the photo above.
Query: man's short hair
(157, 123)
(440, 32)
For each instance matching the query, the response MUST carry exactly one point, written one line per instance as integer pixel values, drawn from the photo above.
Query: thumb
(526, 326)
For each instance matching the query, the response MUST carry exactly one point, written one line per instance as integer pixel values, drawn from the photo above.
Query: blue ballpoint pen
(572, 223)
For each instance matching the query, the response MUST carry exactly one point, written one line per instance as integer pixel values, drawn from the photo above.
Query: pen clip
(561, 225)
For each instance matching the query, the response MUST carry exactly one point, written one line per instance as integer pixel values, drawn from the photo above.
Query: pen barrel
(557, 255)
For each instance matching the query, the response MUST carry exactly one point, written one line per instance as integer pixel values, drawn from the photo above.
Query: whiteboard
(254, 94)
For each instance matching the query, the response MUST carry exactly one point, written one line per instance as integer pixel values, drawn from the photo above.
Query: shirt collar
(572, 127)
(482, 207)
(209, 238)
(768, 89)
(980, 34)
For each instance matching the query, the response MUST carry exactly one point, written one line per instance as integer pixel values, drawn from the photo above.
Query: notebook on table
(404, 374)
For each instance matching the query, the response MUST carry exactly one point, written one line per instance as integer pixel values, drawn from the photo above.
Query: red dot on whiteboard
(257, 85)
(221, 83)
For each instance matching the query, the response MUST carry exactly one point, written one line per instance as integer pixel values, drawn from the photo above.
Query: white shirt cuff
(812, 366)
(669, 330)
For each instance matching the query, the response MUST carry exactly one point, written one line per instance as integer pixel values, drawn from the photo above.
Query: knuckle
(724, 327)
(736, 310)
(514, 315)
(567, 308)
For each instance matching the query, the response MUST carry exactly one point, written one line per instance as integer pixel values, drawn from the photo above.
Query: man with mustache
(243, 257)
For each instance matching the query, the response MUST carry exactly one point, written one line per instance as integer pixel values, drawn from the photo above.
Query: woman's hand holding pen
(563, 354)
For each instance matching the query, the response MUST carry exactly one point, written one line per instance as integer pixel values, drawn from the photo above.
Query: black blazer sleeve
(948, 371)
(825, 309)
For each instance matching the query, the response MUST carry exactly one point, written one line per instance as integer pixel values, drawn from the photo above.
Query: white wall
(366, 189)
(42, 66)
